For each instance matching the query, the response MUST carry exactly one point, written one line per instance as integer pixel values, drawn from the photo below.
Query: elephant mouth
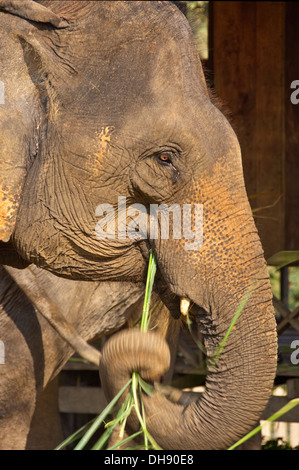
(179, 306)
(168, 297)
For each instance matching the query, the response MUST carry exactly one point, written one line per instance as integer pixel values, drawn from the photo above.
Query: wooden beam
(87, 400)
(288, 317)
(91, 400)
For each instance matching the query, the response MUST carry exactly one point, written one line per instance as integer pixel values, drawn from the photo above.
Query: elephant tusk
(185, 305)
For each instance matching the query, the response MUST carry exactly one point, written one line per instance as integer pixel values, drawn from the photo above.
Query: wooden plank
(91, 400)
(74, 365)
(284, 324)
(87, 400)
(287, 371)
(234, 58)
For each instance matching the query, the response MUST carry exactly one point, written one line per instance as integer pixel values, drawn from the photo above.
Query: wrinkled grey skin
(110, 100)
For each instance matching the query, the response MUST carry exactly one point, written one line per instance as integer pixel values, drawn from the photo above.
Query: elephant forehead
(126, 58)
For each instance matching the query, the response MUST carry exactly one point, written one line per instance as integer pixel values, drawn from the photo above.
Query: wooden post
(292, 127)
(248, 60)
(293, 388)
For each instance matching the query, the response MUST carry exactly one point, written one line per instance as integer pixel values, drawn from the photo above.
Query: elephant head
(111, 103)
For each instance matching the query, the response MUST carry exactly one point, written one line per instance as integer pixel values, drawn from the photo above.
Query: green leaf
(283, 258)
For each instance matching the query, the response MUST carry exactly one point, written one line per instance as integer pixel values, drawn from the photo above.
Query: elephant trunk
(238, 384)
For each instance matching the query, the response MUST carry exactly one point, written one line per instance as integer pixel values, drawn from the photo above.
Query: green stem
(215, 357)
(272, 418)
(96, 424)
(152, 267)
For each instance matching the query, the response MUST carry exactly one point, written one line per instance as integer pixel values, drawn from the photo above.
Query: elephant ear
(17, 149)
(33, 11)
(22, 97)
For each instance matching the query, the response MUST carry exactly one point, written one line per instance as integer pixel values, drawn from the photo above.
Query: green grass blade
(124, 441)
(198, 343)
(121, 416)
(75, 436)
(99, 445)
(152, 267)
(147, 388)
(283, 258)
(135, 379)
(215, 357)
(98, 421)
(146, 441)
(272, 418)
(125, 410)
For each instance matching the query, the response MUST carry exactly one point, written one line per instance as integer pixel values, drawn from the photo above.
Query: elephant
(107, 114)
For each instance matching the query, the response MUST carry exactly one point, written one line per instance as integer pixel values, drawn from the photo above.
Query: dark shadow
(22, 313)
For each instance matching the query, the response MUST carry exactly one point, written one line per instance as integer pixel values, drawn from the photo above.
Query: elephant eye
(165, 158)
